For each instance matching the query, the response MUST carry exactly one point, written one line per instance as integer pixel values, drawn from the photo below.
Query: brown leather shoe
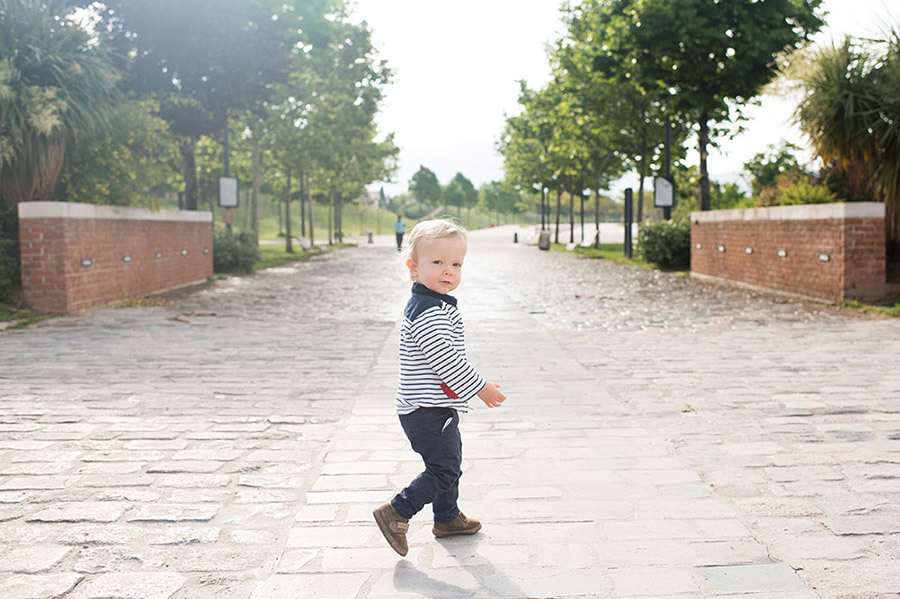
(460, 526)
(393, 526)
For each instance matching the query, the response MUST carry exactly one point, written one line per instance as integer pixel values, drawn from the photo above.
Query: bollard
(516, 237)
(370, 237)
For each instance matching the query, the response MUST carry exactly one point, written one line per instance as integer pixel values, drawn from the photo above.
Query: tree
(424, 185)
(851, 114)
(55, 88)
(622, 121)
(320, 125)
(526, 144)
(453, 195)
(540, 146)
(765, 168)
(349, 87)
(467, 196)
(499, 198)
(708, 62)
(131, 164)
(201, 60)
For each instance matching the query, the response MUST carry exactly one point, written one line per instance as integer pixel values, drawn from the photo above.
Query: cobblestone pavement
(663, 438)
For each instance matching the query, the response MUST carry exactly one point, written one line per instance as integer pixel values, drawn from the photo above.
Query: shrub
(10, 276)
(666, 243)
(234, 252)
(789, 191)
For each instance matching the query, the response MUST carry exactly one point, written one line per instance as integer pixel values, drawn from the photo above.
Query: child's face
(438, 263)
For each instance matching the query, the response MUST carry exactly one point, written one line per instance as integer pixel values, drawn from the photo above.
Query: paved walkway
(663, 438)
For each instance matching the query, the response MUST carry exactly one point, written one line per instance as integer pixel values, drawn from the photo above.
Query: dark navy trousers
(434, 435)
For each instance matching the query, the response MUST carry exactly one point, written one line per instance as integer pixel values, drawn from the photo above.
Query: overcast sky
(457, 65)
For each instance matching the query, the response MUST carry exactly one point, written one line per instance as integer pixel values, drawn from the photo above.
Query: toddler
(436, 384)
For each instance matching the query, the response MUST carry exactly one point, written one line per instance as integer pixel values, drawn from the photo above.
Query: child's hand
(490, 395)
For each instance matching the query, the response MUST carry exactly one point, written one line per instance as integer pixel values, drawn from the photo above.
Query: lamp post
(667, 211)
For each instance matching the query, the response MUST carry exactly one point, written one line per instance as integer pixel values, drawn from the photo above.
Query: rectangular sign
(228, 192)
(663, 193)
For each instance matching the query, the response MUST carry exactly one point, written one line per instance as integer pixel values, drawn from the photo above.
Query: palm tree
(56, 85)
(851, 113)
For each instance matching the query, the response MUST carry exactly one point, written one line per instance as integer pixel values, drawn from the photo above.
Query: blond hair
(429, 230)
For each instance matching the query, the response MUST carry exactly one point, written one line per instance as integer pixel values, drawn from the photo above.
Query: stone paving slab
(663, 438)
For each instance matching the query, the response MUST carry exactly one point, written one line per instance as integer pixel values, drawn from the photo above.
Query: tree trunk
(331, 216)
(703, 141)
(280, 219)
(34, 185)
(257, 178)
(558, 201)
(309, 204)
(288, 242)
(338, 218)
(543, 196)
(642, 173)
(571, 213)
(302, 180)
(190, 174)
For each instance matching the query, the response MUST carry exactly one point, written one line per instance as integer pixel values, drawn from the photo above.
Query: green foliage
(791, 191)
(497, 197)
(130, 165)
(409, 206)
(703, 61)
(459, 192)
(55, 86)
(9, 254)
(892, 311)
(666, 243)
(765, 168)
(234, 252)
(425, 187)
(321, 125)
(730, 196)
(706, 57)
(271, 256)
(614, 252)
(616, 118)
(204, 57)
(851, 114)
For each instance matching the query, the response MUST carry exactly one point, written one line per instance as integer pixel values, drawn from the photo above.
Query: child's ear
(411, 265)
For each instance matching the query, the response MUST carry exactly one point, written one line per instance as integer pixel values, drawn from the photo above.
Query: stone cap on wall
(91, 211)
(803, 212)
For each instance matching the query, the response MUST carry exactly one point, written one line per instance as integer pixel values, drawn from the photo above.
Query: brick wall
(76, 256)
(831, 252)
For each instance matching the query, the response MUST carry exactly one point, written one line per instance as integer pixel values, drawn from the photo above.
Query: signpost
(228, 199)
(663, 195)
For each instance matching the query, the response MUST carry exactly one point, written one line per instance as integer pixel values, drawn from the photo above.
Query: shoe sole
(443, 535)
(384, 527)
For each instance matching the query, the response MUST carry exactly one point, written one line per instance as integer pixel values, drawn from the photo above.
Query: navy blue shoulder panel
(424, 298)
(419, 303)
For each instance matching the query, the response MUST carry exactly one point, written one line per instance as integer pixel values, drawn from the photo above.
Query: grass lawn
(882, 310)
(275, 255)
(614, 252)
(21, 318)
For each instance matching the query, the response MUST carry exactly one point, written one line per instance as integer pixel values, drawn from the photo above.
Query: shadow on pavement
(488, 578)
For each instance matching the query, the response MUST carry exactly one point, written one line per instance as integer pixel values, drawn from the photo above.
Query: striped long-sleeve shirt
(434, 371)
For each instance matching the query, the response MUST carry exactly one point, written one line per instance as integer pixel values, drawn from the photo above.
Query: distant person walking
(399, 229)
